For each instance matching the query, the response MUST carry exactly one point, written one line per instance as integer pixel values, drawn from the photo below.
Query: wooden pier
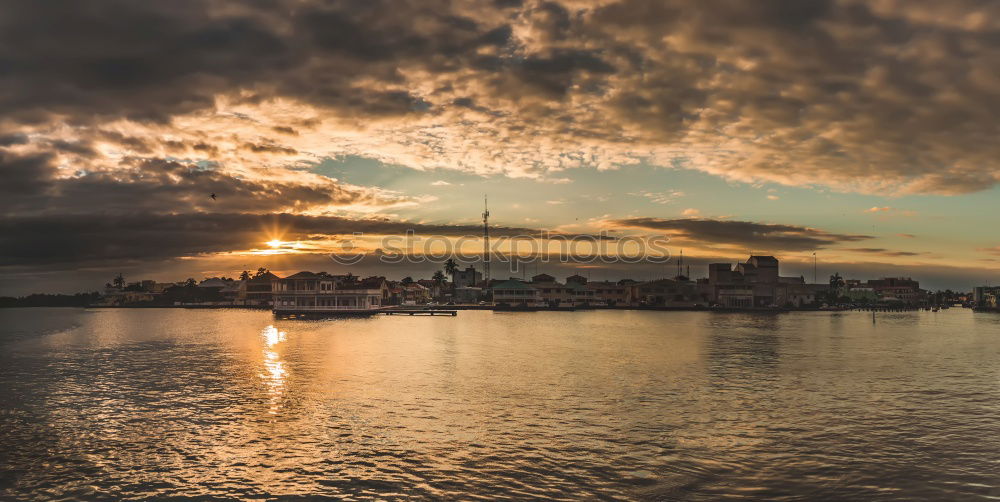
(886, 309)
(419, 312)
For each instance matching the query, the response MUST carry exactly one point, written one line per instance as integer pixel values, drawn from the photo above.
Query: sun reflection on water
(274, 374)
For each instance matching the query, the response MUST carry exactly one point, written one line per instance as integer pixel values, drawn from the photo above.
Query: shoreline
(495, 308)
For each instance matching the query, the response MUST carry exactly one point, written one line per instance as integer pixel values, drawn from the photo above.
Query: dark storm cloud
(885, 252)
(746, 234)
(884, 96)
(157, 186)
(857, 94)
(13, 139)
(117, 58)
(24, 175)
(105, 240)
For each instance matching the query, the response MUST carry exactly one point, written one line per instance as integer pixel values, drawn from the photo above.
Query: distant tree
(245, 275)
(190, 283)
(406, 280)
(42, 300)
(350, 277)
(119, 281)
(261, 272)
(438, 277)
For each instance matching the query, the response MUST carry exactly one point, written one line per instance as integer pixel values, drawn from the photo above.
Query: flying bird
(212, 196)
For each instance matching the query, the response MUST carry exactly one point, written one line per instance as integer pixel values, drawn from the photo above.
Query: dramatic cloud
(123, 113)
(101, 240)
(860, 95)
(33, 187)
(742, 234)
(884, 252)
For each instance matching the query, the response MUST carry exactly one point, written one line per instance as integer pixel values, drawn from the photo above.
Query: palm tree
(836, 284)
(451, 268)
(119, 281)
(438, 277)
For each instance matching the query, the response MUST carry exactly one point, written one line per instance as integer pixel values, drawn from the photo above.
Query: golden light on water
(274, 373)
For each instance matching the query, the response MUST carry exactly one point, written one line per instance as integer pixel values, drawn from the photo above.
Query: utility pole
(486, 241)
(814, 267)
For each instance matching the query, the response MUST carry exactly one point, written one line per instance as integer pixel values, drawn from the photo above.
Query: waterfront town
(754, 284)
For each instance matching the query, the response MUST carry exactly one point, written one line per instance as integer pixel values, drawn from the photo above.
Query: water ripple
(138, 404)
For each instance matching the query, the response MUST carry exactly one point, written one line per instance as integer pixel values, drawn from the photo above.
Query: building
(574, 293)
(986, 296)
(467, 278)
(414, 293)
(858, 292)
(321, 292)
(757, 283)
(609, 293)
(735, 295)
(552, 293)
(516, 293)
(666, 292)
(579, 294)
(433, 287)
(543, 278)
(467, 295)
(898, 289)
(257, 291)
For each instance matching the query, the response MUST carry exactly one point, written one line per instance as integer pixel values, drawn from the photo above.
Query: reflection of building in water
(274, 374)
(745, 350)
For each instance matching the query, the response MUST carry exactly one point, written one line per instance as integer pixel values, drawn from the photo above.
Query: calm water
(130, 404)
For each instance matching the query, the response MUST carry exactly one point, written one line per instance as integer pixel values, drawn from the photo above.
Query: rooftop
(512, 285)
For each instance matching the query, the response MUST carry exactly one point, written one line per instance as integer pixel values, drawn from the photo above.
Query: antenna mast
(486, 240)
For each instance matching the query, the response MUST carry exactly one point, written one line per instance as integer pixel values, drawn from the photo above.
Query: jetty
(430, 312)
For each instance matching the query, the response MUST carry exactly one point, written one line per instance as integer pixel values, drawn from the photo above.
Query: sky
(841, 136)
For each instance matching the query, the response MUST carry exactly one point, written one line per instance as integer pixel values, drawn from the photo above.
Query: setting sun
(275, 243)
